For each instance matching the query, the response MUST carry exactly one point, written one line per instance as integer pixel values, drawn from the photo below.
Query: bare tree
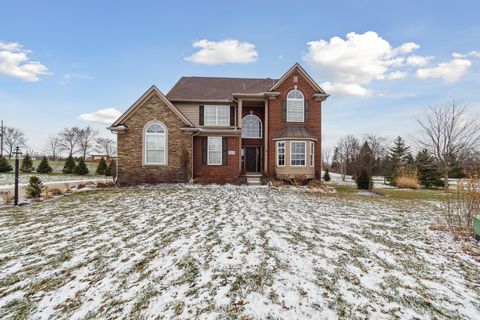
(378, 149)
(326, 158)
(53, 147)
(69, 140)
(86, 137)
(448, 130)
(348, 148)
(105, 146)
(13, 137)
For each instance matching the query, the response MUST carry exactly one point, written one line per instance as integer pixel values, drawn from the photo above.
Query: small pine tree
(428, 173)
(364, 181)
(81, 169)
(4, 165)
(44, 166)
(398, 156)
(102, 167)
(326, 175)
(27, 164)
(110, 169)
(35, 187)
(69, 166)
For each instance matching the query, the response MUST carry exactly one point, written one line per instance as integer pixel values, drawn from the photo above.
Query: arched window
(251, 127)
(155, 143)
(295, 106)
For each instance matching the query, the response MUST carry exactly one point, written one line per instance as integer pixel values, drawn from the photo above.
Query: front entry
(252, 159)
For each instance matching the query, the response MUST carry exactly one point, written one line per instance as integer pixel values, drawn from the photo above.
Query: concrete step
(254, 181)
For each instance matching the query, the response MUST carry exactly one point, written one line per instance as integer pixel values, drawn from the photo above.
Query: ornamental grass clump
(407, 179)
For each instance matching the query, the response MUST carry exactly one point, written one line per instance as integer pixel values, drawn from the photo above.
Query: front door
(252, 160)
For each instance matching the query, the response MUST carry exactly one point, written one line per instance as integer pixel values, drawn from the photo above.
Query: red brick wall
(276, 123)
(204, 173)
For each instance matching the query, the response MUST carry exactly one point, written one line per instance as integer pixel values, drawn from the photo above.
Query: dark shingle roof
(295, 132)
(212, 88)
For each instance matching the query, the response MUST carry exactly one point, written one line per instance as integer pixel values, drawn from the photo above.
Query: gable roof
(142, 99)
(216, 88)
(298, 67)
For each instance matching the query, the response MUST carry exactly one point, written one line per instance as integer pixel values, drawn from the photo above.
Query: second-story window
(217, 115)
(295, 106)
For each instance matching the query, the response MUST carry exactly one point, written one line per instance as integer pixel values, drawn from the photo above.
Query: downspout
(191, 156)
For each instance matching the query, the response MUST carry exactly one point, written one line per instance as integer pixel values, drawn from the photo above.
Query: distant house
(98, 157)
(220, 129)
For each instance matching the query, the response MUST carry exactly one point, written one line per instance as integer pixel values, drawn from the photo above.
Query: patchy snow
(230, 252)
(336, 179)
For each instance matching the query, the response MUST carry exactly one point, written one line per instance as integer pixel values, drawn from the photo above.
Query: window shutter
(307, 110)
(204, 149)
(224, 151)
(284, 110)
(232, 116)
(201, 115)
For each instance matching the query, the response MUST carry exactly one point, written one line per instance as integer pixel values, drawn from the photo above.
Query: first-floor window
(155, 144)
(297, 153)
(214, 153)
(312, 153)
(280, 153)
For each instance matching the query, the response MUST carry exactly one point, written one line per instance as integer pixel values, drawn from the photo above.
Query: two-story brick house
(220, 129)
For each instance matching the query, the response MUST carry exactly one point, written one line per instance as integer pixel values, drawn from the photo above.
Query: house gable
(297, 67)
(153, 90)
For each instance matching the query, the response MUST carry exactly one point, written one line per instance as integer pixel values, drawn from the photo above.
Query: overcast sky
(66, 63)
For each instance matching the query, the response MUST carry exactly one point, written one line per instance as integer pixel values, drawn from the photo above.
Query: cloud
(105, 116)
(395, 75)
(448, 71)
(221, 52)
(67, 77)
(15, 62)
(475, 54)
(352, 63)
(352, 89)
(418, 61)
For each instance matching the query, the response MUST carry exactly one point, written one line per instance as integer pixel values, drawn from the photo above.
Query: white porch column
(239, 125)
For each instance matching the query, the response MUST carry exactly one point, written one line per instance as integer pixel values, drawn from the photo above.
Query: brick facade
(276, 123)
(131, 169)
(221, 174)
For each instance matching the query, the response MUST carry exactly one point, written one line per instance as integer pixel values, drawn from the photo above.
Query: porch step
(254, 181)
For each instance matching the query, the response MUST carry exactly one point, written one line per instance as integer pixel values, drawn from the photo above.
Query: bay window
(280, 153)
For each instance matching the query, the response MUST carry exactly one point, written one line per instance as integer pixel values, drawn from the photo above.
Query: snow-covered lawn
(230, 252)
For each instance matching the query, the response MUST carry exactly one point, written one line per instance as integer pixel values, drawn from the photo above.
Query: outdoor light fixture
(17, 155)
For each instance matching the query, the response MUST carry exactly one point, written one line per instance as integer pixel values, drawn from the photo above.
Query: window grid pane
(295, 106)
(312, 153)
(297, 153)
(251, 127)
(155, 144)
(216, 115)
(214, 150)
(280, 153)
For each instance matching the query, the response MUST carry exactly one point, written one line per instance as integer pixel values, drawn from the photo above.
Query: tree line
(75, 141)
(447, 141)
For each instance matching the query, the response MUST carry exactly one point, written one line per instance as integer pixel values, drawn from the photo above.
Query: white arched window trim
(161, 147)
(251, 132)
(295, 106)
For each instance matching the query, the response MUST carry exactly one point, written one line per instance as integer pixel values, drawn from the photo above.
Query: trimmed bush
(4, 165)
(27, 164)
(326, 176)
(81, 169)
(35, 187)
(69, 166)
(102, 167)
(44, 166)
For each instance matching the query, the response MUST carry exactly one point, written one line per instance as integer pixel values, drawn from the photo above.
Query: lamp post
(17, 154)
